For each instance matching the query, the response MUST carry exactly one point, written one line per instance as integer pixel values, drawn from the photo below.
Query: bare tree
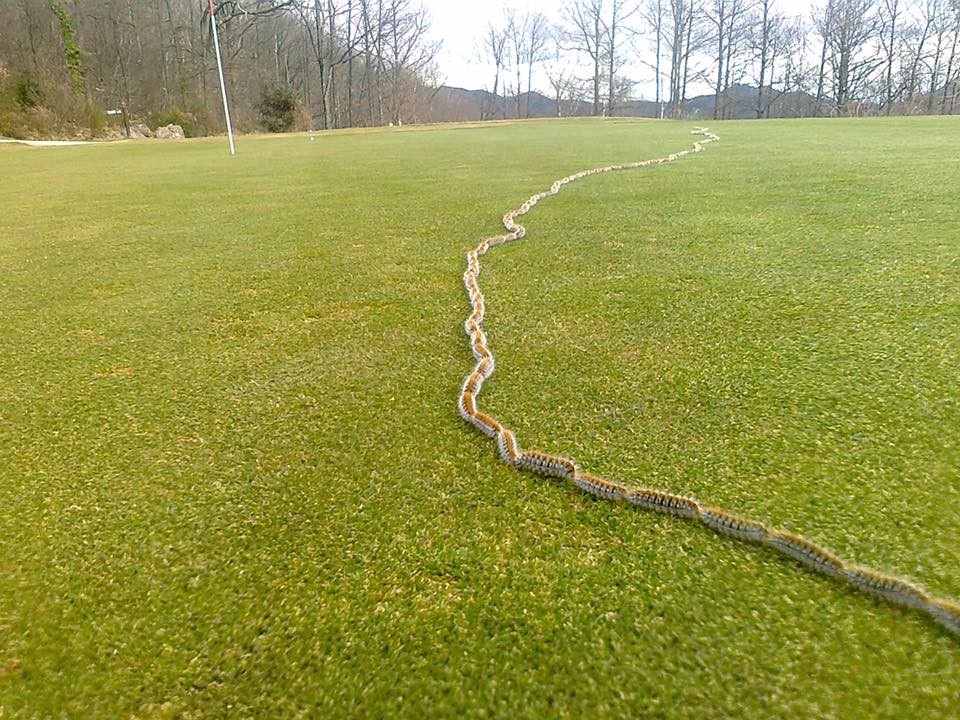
(322, 21)
(854, 25)
(539, 36)
(408, 54)
(681, 18)
(823, 20)
(728, 18)
(774, 38)
(615, 35)
(778, 44)
(494, 49)
(653, 12)
(889, 15)
(601, 30)
(916, 33)
(516, 27)
(766, 29)
(559, 78)
(940, 21)
(790, 44)
(950, 85)
(568, 91)
(586, 35)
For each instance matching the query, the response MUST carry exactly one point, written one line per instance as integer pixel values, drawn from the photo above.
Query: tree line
(845, 57)
(341, 62)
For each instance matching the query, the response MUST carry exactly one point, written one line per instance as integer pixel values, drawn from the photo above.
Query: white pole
(223, 88)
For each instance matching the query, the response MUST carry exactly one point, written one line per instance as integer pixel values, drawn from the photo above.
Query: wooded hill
(63, 63)
(454, 104)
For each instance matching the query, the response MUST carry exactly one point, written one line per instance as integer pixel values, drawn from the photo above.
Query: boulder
(140, 131)
(169, 132)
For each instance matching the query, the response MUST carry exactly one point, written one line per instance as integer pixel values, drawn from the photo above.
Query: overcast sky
(460, 24)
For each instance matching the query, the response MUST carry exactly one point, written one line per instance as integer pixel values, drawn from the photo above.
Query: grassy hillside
(233, 480)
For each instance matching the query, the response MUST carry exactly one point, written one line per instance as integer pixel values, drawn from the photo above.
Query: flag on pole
(223, 87)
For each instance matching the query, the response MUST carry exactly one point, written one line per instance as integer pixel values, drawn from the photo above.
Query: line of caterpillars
(892, 589)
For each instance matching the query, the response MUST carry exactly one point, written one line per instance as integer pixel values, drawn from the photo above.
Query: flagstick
(223, 88)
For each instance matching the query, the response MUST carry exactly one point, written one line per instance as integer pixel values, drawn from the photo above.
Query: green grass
(233, 481)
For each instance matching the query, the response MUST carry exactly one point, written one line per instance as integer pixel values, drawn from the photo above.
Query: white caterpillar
(892, 589)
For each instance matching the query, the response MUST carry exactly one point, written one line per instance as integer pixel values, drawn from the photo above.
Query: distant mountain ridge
(457, 104)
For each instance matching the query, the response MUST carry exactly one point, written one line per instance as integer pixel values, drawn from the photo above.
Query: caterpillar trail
(894, 590)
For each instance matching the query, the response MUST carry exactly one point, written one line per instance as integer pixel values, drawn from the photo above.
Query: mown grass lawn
(233, 480)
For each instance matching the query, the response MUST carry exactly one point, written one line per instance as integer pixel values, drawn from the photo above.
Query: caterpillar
(664, 502)
(894, 590)
(544, 464)
(600, 487)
